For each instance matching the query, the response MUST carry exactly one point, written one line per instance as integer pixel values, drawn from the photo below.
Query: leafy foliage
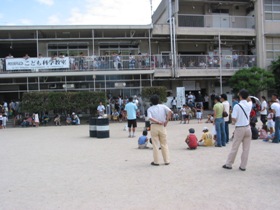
(253, 79)
(61, 102)
(275, 68)
(147, 92)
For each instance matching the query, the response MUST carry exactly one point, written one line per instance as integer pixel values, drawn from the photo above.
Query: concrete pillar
(260, 29)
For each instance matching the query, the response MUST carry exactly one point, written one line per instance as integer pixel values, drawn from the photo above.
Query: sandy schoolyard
(50, 168)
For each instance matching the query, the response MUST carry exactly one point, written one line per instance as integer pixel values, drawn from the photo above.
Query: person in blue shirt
(131, 110)
(143, 140)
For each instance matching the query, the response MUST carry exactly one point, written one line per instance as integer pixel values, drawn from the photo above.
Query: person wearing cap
(219, 122)
(206, 139)
(159, 115)
(191, 139)
(242, 133)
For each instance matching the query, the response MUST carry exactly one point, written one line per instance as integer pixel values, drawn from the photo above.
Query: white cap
(73, 113)
(205, 128)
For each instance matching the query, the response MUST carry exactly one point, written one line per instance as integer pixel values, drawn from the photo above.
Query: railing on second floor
(128, 63)
(216, 21)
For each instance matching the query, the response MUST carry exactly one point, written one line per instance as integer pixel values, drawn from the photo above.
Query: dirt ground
(61, 167)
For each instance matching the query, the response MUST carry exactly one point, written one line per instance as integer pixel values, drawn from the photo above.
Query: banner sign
(36, 63)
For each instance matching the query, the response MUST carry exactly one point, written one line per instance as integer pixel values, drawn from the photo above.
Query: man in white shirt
(263, 111)
(242, 133)
(100, 109)
(159, 115)
(275, 106)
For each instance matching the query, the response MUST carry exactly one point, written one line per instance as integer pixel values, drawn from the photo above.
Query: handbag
(225, 114)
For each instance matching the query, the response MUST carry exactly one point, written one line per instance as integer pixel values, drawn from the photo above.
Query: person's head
(191, 130)
(223, 97)
(263, 98)
(264, 127)
(154, 99)
(205, 129)
(145, 133)
(217, 99)
(130, 99)
(243, 94)
(274, 97)
(100, 102)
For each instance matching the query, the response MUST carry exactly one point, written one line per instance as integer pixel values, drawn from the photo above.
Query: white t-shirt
(276, 107)
(100, 108)
(183, 111)
(226, 108)
(238, 114)
(264, 106)
(158, 112)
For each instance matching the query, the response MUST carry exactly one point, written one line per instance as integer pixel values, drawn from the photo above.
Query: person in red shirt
(191, 139)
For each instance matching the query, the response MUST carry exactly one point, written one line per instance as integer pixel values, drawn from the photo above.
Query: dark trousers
(264, 118)
(227, 132)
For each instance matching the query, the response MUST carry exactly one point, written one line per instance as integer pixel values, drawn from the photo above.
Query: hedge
(62, 102)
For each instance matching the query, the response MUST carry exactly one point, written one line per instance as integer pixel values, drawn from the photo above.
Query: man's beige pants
(159, 135)
(241, 135)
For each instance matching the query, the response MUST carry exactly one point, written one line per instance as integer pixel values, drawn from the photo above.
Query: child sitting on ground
(191, 139)
(254, 130)
(210, 118)
(206, 139)
(269, 137)
(263, 132)
(143, 140)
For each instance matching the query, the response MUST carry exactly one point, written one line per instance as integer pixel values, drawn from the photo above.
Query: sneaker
(129, 136)
(133, 136)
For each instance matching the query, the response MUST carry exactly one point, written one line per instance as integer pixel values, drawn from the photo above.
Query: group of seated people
(118, 116)
(73, 119)
(207, 139)
(28, 120)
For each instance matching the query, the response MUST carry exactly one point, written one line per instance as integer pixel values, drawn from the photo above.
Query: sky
(76, 12)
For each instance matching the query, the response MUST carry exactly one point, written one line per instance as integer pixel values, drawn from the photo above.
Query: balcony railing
(213, 61)
(128, 63)
(216, 21)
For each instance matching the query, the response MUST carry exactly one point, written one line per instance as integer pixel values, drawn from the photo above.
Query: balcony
(216, 21)
(159, 65)
(206, 65)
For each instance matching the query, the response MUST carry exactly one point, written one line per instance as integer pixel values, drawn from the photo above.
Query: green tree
(147, 92)
(275, 68)
(253, 79)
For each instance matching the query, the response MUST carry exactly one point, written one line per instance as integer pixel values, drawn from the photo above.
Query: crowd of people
(243, 113)
(11, 113)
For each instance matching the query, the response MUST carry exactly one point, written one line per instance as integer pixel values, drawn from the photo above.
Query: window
(272, 10)
(73, 49)
(272, 48)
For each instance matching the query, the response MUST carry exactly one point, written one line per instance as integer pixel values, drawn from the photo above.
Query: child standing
(270, 122)
(4, 121)
(143, 140)
(191, 139)
(198, 110)
(183, 114)
(206, 139)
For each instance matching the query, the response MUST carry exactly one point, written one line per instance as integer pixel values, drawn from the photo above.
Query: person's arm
(214, 115)
(168, 117)
(187, 139)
